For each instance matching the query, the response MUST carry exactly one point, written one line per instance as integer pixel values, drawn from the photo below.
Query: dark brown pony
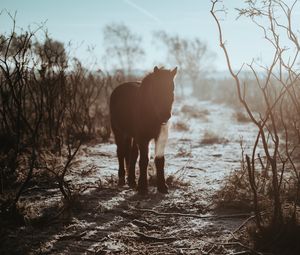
(139, 112)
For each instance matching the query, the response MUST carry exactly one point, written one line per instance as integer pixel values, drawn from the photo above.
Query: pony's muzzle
(166, 118)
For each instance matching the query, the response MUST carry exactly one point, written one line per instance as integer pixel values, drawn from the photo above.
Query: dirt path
(204, 146)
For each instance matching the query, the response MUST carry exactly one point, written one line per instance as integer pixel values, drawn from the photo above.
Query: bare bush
(278, 88)
(123, 47)
(48, 103)
(193, 58)
(224, 92)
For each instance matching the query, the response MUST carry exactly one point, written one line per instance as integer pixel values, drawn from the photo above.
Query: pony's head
(159, 89)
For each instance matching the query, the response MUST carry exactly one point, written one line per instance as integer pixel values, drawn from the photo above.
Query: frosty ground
(204, 147)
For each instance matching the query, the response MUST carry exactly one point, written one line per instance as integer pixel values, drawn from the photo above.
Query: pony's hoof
(163, 189)
(131, 184)
(142, 191)
(121, 182)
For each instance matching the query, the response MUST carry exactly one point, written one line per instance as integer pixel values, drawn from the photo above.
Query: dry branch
(226, 216)
(145, 237)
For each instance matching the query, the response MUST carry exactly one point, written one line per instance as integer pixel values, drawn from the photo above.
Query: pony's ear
(155, 69)
(174, 71)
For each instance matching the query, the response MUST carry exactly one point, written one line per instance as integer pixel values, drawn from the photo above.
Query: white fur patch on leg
(161, 141)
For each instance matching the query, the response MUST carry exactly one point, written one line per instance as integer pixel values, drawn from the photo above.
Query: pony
(139, 113)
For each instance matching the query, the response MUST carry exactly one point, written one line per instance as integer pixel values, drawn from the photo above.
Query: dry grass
(210, 137)
(172, 181)
(193, 112)
(184, 151)
(241, 117)
(236, 195)
(181, 126)
(235, 192)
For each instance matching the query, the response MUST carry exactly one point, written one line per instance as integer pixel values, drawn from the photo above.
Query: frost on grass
(210, 137)
(240, 116)
(181, 125)
(194, 112)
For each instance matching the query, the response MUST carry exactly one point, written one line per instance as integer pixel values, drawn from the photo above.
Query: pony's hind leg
(127, 147)
(132, 162)
(121, 150)
(160, 144)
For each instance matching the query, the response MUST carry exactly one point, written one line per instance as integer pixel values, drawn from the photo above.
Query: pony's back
(123, 108)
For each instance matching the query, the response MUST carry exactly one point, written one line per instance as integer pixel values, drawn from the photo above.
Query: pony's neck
(148, 103)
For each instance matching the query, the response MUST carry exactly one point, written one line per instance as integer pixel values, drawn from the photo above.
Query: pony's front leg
(143, 163)
(161, 183)
(160, 144)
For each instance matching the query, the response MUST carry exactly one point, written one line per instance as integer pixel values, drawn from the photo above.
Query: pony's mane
(151, 77)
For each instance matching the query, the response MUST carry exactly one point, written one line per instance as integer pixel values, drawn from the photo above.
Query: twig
(232, 243)
(73, 236)
(210, 250)
(239, 215)
(240, 253)
(246, 221)
(143, 224)
(154, 238)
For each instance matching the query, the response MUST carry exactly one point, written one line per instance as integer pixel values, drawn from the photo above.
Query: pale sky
(82, 23)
